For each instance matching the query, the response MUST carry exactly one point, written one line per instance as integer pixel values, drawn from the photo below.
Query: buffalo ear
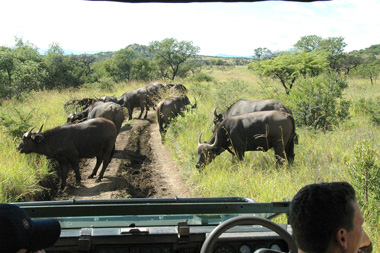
(38, 138)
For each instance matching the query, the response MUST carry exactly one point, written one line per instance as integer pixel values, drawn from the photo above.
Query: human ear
(341, 238)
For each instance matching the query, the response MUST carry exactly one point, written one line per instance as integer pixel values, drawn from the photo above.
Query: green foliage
(365, 171)
(369, 106)
(332, 46)
(372, 50)
(288, 66)
(15, 121)
(318, 101)
(370, 69)
(170, 55)
(262, 53)
(123, 64)
(104, 83)
(201, 77)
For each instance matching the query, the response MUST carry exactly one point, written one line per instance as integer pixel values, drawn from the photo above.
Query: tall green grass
(320, 156)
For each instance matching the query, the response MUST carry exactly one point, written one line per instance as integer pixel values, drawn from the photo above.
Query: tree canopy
(171, 55)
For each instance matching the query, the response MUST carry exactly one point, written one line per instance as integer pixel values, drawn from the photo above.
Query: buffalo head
(29, 139)
(206, 152)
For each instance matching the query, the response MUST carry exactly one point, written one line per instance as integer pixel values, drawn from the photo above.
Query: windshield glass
(110, 100)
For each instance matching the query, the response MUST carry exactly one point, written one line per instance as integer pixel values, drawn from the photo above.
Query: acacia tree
(171, 55)
(288, 66)
(333, 46)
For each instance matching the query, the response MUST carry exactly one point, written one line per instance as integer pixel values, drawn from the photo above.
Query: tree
(262, 53)
(288, 66)
(142, 69)
(123, 61)
(21, 68)
(7, 68)
(171, 55)
(62, 71)
(370, 68)
(333, 46)
(308, 43)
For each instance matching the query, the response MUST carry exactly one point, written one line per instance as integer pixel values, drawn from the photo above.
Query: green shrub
(317, 101)
(365, 172)
(201, 77)
(15, 121)
(104, 83)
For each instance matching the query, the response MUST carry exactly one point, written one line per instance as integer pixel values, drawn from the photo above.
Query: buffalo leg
(130, 112)
(141, 110)
(64, 171)
(101, 174)
(75, 164)
(95, 170)
(146, 111)
(106, 161)
(279, 153)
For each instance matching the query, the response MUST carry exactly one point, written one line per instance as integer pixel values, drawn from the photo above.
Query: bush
(104, 83)
(365, 172)
(201, 77)
(15, 121)
(317, 101)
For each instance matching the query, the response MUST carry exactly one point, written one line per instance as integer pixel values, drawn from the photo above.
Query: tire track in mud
(141, 168)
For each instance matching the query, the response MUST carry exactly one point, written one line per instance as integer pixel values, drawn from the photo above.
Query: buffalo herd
(245, 126)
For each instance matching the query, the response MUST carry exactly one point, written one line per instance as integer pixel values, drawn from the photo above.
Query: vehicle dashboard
(159, 225)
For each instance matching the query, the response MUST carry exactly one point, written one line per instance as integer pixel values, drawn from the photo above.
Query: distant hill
(141, 50)
(372, 50)
(232, 56)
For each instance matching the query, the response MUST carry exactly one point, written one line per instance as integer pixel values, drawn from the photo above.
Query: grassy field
(320, 156)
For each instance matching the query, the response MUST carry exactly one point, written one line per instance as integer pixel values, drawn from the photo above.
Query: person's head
(18, 231)
(326, 217)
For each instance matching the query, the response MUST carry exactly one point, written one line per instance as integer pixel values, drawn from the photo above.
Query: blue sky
(217, 28)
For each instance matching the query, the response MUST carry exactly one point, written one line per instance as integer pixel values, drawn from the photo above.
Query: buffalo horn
(212, 146)
(200, 139)
(195, 103)
(39, 131)
(29, 132)
(216, 115)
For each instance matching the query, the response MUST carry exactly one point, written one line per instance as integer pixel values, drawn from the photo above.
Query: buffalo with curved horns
(68, 143)
(243, 106)
(251, 132)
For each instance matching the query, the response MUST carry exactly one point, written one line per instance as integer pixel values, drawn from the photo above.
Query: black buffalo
(136, 98)
(79, 103)
(177, 88)
(155, 91)
(251, 132)
(171, 107)
(108, 110)
(108, 99)
(68, 143)
(243, 106)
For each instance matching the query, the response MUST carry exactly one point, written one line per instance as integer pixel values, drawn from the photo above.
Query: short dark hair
(317, 211)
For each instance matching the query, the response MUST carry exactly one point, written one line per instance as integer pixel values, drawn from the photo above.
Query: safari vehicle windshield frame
(161, 224)
(150, 212)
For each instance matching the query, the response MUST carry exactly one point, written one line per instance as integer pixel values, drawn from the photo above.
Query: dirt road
(141, 168)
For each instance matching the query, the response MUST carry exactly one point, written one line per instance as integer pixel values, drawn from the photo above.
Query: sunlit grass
(320, 156)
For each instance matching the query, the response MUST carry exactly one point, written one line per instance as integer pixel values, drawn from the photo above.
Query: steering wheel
(210, 241)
